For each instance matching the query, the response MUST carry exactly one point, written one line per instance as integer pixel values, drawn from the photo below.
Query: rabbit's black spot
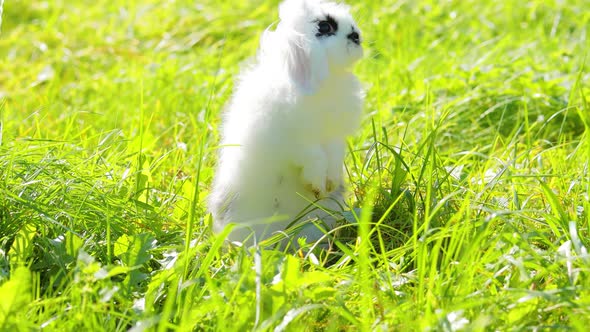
(327, 27)
(354, 37)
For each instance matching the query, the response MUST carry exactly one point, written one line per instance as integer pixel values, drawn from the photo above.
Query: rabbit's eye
(327, 27)
(324, 28)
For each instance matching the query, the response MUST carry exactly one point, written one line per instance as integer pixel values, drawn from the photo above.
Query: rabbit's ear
(294, 47)
(289, 9)
(305, 58)
(306, 62)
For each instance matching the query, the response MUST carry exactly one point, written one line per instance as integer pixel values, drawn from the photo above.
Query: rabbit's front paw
(315, 179)
(333, 179)
(314, 171)
(335, 156)
(331, 185)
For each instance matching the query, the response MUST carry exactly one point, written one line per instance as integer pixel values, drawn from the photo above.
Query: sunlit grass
(473, 157)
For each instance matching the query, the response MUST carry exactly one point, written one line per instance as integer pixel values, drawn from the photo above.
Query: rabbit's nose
(354, 37)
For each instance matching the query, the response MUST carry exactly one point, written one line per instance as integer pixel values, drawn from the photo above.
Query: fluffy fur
(284, 132)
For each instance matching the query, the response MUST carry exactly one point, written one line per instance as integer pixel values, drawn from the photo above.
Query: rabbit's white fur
(284, 132)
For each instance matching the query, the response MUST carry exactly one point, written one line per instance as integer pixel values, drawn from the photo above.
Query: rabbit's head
(313, 39)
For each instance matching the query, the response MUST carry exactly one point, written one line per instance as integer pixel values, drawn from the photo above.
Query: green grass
(473, 155)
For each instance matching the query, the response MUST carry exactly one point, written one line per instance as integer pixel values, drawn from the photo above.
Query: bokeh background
(473, 156)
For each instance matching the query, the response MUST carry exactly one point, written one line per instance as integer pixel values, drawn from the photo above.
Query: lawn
(470, 171)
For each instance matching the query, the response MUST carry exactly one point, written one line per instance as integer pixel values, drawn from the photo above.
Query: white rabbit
(284, 132)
